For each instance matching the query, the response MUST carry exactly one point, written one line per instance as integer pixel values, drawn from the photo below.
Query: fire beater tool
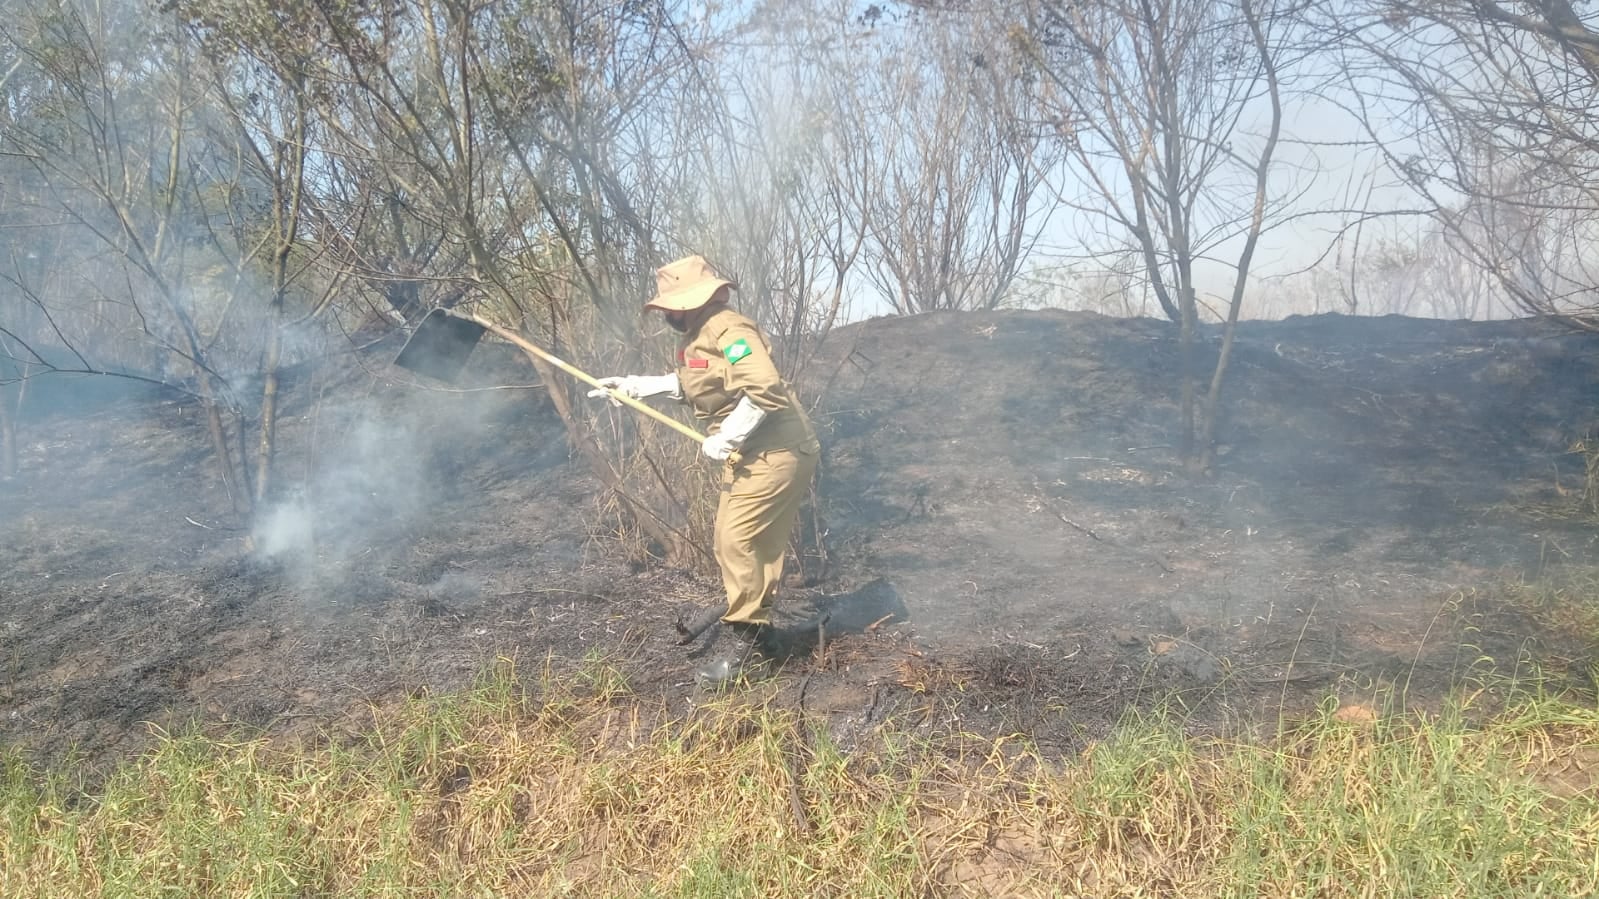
(440, 345)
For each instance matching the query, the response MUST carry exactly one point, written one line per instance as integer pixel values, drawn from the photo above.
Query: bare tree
(944, 113)
(770, 168)
(1487, 111)
(1170, 111)
(14, 220)
(898, 149)
(111, 156)
(505, 133)
(262, 72)
(1401, 271)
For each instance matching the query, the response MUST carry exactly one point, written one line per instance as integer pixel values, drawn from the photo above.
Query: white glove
(735, 429)
(639, 387)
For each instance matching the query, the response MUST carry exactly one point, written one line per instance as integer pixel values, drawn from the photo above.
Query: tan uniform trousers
(760, 503)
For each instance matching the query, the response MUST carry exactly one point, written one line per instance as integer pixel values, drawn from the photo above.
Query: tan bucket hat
(686, 284)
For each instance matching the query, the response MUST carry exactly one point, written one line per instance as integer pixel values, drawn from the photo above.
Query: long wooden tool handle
(586, 378)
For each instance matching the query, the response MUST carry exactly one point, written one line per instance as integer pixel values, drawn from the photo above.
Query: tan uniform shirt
(726, 357)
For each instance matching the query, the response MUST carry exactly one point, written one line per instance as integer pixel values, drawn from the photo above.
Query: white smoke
(285, 531)
(369, 489)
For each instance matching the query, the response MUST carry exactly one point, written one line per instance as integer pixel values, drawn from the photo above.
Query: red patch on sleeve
(679, 357)
(699, 363)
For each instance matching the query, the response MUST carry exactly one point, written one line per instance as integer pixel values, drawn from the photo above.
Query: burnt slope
(1002, 509)
(1013, 475)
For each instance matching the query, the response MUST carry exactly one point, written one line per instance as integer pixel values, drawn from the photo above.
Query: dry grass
(1569, 502)
(1564, 602)
(1588, 449)
(577, 788)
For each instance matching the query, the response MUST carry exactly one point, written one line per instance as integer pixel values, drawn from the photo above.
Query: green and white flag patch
(737, 350)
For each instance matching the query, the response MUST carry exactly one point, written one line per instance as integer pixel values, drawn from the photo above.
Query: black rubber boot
(697, 625)
(773, 642)
(735, 653)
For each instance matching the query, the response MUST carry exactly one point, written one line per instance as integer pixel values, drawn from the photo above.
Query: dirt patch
(1011, 544)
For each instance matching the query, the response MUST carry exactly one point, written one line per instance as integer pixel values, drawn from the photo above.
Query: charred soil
(1002, 537)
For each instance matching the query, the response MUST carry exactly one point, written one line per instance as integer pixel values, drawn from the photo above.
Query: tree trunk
(220, 447)
(215, 427)
(267, 445)
(1257, 219)
(1207, 437)
(1189, 373)
(11, 396)
(8, 431)
(288, 195)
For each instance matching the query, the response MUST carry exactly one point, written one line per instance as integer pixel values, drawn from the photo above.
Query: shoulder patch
(738, 349)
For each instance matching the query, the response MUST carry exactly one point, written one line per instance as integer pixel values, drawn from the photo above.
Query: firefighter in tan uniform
(756, 427)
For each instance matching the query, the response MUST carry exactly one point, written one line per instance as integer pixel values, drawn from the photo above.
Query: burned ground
(1007, 538)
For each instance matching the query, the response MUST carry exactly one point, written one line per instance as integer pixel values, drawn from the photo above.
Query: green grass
(576, 788)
